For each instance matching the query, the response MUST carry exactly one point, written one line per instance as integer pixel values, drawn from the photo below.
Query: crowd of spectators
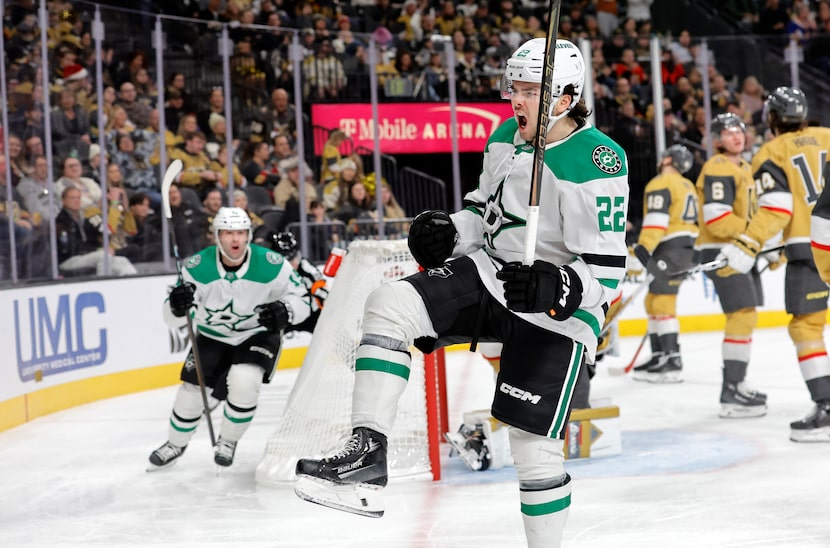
(413, 39)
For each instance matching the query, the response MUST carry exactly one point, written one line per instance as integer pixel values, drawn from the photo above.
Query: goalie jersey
(788, 172)
(225, 301)
(582, 219)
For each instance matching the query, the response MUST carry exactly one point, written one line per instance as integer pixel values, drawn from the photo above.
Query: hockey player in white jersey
(547, 315)
(241, 297)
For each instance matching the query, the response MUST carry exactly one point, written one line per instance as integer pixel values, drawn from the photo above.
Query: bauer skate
(470, 445)
(666, 371)
(738, 401)
(349, 480)
(165, 456)
(815, 427)
(640, 372)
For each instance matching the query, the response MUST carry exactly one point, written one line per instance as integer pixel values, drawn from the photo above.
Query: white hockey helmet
(231, 218)
(527, 64)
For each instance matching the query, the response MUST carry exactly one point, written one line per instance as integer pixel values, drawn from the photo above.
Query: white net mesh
(317, 415)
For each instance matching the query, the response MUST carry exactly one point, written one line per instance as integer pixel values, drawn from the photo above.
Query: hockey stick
(627, 301)
(532, 226)
(170, 176)
(616, 372)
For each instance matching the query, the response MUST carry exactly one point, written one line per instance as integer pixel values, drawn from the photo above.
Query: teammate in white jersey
(547, 315)
(241, 297)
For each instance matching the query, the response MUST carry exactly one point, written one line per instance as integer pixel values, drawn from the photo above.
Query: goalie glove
(181, 299)
(274, 316)
(543, 287)
(739, 256)
(432, 237)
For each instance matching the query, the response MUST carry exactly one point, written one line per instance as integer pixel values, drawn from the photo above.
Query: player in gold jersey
(820, 231)
(668, 234)
(727, 195)
(788, 172)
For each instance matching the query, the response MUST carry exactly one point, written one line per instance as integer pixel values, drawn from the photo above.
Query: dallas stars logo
(225, 317)
(496, 218)
(606, 159)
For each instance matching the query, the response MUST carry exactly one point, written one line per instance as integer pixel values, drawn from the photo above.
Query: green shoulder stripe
(265, 265)
(587, 156)
(202, 265)
(504, 133)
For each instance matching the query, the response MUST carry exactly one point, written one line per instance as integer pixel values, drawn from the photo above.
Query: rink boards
(72, 343)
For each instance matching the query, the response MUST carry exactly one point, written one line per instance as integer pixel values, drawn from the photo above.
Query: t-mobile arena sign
(413, 128)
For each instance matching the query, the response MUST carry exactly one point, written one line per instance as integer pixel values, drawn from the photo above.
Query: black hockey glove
(543, 287)
(432, 237)
(181, 299)
(274, 316)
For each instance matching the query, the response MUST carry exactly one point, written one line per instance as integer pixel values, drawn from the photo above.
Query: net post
(434, 419)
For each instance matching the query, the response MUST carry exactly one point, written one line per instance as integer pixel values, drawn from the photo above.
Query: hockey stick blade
(170, 175)
(352, 498)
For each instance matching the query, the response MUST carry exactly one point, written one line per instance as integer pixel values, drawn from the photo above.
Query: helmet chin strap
(229, 258)
(553, 119)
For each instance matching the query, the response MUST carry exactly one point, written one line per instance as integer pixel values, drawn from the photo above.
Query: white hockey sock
(187, 411)
(381, 374)
(244, 382)
(545, 511)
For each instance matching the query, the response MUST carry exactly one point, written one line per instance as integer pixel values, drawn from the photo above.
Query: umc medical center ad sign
(413, 128)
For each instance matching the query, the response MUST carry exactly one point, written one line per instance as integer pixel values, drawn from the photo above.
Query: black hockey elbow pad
(432, 237)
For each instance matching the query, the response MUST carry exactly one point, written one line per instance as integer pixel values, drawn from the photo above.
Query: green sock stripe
(180, 428)
(546, 508)
(373, 364)
(238, 420)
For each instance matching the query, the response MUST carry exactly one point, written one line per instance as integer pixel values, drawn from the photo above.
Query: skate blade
(154, 468)
(359, 499)
(665, 378)
(816, 435)
(732, 411)
(470, 458)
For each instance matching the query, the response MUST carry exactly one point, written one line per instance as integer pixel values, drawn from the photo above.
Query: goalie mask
(527, 65)
(231, 218)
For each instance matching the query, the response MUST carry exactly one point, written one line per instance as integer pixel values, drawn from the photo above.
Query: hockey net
(317, 417)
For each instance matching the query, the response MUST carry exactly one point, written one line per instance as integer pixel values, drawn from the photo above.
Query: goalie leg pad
(492, 353)
(187, 411)
(544, 487)
(244, 383)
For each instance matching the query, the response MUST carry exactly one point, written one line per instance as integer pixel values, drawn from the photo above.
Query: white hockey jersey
(225, 302)
(583, 206)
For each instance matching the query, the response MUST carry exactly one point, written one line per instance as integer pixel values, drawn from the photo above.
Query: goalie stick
(532, 226)
(170, 175)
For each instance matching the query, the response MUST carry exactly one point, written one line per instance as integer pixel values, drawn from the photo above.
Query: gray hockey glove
(543, 287)
(181, 299)
(274, 316)
(432, 237)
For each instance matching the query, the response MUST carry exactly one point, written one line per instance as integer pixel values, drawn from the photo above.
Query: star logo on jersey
(193, 261)
(496, 219)
(606, 159)
(225, 317)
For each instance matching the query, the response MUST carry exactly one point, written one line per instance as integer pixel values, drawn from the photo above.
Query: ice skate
(224, 452)
(165, 456)
(667, 371)
(349, 480)
(739, 401)
(815, 427)
(640, 372)
(469, 444)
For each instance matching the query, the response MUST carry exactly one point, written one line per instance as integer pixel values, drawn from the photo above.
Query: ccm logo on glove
(543, 287)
